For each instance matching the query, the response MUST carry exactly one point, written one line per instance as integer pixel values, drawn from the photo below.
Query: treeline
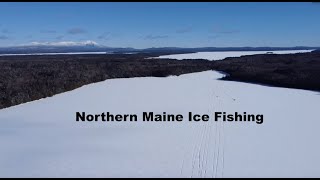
(27, 78)
(301, 70)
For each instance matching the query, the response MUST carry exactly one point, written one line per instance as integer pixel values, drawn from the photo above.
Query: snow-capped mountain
(60, 47)
(66, 43)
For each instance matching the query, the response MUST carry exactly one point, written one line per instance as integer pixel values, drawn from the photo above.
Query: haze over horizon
(146, 25)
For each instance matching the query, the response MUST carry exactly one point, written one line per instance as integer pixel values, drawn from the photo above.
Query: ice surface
(42, 138)
(222, 55)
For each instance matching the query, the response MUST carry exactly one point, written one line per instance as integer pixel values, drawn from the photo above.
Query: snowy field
(43, 139)
(221, 55)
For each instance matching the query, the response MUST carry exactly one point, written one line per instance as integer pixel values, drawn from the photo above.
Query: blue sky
(142, 25)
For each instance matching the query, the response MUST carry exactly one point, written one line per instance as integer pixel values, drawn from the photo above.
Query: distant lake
(222, 55)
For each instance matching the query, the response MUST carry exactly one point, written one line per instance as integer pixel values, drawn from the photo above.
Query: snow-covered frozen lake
(221, 55)
(43, 139)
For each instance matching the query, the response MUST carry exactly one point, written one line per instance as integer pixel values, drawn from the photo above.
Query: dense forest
(27, 78)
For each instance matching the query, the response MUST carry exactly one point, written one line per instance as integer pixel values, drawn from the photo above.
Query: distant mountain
(91, 46)
(60, 47)
(66, 43)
